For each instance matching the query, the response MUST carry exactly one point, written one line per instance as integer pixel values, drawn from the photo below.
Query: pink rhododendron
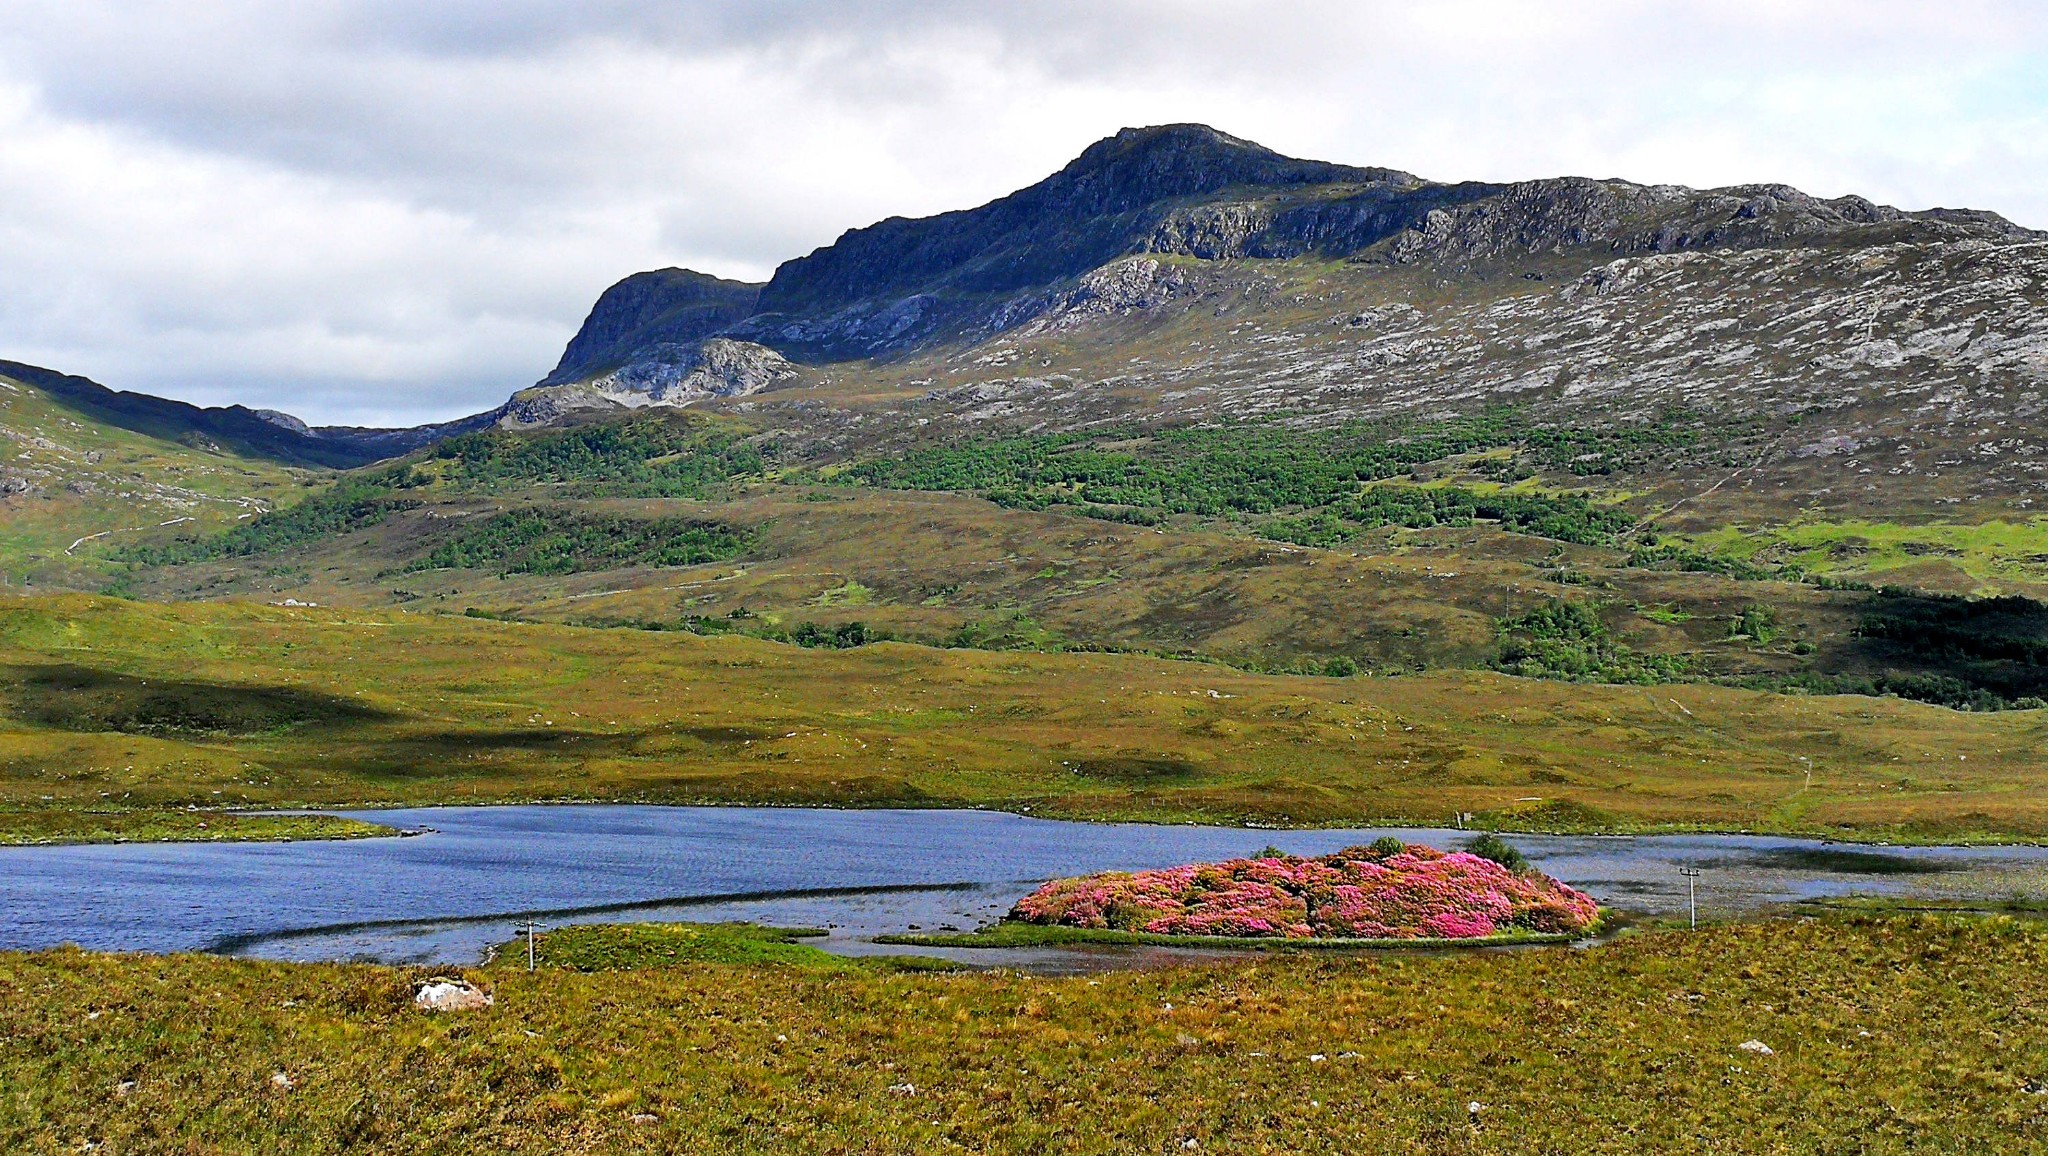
(1416, 893)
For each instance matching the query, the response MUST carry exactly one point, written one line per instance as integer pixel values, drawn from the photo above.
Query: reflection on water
(445, 897)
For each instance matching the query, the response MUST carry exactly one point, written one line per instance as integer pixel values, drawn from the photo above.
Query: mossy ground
(1918, 1034)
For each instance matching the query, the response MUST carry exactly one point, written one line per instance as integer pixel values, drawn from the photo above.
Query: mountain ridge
(1140, 223)
(903, 285)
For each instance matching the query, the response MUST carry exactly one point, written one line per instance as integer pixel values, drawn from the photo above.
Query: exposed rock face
(676, 374)
(1127, 286)
(662, 307)
(284, 420)
(663, 374)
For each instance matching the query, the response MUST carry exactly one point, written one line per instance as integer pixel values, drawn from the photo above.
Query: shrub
(1499, 850)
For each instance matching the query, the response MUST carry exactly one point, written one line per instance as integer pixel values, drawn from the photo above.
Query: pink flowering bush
(1358, 893)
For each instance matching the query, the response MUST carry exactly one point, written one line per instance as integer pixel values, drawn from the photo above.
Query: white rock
(450, 995)
(1758, 1046)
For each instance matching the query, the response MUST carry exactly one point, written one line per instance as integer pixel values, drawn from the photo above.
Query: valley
(1196, 486)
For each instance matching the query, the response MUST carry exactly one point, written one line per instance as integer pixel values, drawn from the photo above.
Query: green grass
(49, 825)
(112, 705)
(1993, 557)
(1895, 1035)
(634, 946)
(1019, 933)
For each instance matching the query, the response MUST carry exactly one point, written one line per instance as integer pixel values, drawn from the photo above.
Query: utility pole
(1692, 895)
(529, 945)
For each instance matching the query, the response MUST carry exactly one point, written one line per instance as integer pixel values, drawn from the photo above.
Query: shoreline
(344, 815)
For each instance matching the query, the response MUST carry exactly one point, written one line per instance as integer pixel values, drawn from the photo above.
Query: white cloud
(379, 211)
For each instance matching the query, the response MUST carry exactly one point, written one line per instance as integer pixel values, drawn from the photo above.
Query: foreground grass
(106, 704)
(1923, 1034)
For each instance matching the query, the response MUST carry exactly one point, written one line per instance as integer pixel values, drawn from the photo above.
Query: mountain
(86, 469)
(1375, 291)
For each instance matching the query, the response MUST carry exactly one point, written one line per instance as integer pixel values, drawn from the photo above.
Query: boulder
(450, 995)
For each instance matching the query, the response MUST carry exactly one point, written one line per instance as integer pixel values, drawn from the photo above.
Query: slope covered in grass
(72, 485)
(106, 704)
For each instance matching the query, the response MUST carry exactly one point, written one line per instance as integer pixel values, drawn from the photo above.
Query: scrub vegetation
(1838, 1033)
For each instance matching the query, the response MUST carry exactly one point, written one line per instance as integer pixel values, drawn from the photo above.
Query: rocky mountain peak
(1099, 207)
(1140, 166)
(661, 306)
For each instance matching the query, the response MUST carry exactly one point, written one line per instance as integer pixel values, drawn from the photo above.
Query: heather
(1887, 1036)
(1385, 891)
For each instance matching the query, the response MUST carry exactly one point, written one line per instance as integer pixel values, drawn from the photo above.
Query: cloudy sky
(393, 211)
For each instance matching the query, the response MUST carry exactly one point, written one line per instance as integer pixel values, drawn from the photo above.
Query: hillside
(78, 477)
(262, 434)
(130, 709)
(1189, 397)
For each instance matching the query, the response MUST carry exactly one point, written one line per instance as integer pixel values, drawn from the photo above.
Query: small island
(1389, 890)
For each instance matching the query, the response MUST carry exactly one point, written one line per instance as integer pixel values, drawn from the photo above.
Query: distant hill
(85, 469)
(252, 433)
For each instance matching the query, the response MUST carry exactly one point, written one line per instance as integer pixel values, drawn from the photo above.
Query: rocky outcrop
(671, 373)
(661, 307)
(1128, 286)
(447, 995)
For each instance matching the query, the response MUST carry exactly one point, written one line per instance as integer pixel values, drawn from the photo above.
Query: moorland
(1883, 1034)
(1194, 483)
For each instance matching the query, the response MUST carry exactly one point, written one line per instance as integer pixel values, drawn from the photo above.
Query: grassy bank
(1017, 933)
(635, 946)
(1918, 1034)
(108, 705)
(51, 825)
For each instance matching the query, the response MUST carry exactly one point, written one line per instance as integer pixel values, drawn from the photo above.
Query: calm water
(448, 895)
